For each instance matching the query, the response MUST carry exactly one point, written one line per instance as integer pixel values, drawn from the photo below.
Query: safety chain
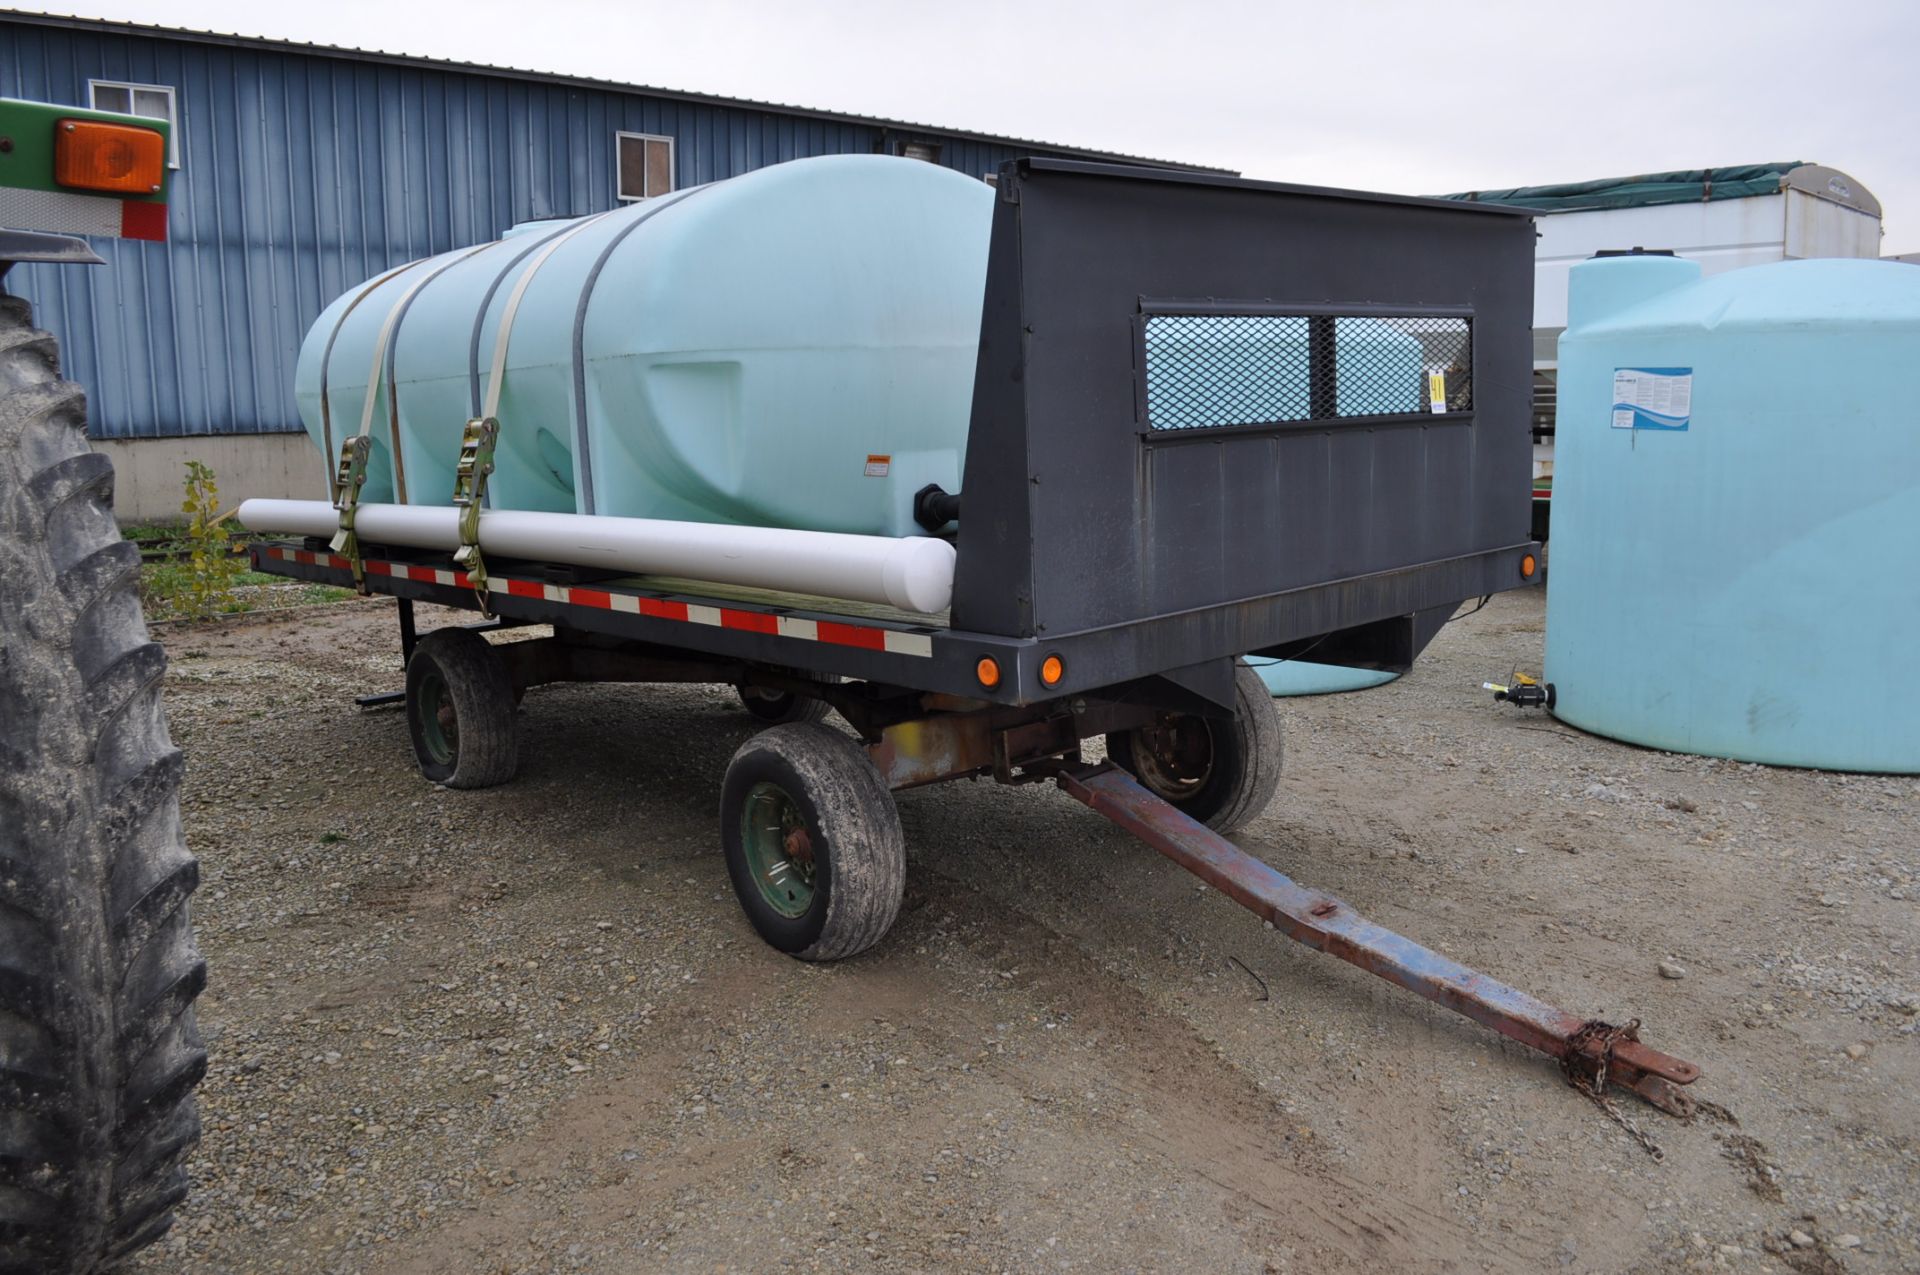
(1600, 1037)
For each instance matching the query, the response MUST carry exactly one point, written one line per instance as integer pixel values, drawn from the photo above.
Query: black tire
(1219, 772)
(99, 1053)
(460, 711)
(777, 708)
(843, 833)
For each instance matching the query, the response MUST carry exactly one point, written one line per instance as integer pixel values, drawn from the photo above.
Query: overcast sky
(1379, 94)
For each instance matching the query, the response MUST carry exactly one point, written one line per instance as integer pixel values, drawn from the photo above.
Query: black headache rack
(1211, 417)
(1205, 421)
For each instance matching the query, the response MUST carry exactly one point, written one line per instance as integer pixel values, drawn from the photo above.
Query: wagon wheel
(812, 841)
(460, 711)
(1221, 772)
(778, 707)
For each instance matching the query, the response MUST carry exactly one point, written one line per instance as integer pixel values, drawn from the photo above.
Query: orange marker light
(987, 671)
(1051, 670)
(122, 158)
(1527, 564)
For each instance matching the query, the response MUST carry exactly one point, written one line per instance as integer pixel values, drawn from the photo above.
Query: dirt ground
(528, 1029)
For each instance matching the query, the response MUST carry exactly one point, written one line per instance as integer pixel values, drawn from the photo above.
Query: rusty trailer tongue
(1593, 1053)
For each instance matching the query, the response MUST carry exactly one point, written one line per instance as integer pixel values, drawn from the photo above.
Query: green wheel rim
(439, 725)
(779, 849)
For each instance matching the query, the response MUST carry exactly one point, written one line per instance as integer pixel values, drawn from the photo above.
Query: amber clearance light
(1527, 566)
(1052, 670)
(121, 158)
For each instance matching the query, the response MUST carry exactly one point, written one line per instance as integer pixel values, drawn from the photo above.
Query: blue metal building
(305, 169)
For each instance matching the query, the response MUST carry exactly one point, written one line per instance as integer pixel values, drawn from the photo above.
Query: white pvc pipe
(914, 573)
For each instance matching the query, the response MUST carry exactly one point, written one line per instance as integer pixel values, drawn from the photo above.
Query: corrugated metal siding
(302, 175)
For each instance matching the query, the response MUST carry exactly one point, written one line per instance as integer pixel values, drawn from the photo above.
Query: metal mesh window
(1212, 370)
(1226, 369)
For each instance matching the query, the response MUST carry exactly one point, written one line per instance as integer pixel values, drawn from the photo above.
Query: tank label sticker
(1652, 397)
(879, 466)
(1437, 391)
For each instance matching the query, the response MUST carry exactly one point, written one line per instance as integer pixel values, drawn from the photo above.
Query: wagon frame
(1110, 567)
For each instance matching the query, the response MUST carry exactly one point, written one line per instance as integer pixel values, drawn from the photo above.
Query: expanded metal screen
(1205, 371)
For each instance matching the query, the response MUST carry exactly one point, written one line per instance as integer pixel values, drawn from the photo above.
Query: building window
(929, 151)
(149, 101)
(644, 165)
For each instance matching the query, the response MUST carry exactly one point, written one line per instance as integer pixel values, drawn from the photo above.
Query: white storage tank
(1736, 551)
(793, 347)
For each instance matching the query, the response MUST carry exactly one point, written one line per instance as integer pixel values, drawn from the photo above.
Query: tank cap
(1635, 251)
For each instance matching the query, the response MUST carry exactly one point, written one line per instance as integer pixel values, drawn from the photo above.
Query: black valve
(1523, 692)
(934, 508)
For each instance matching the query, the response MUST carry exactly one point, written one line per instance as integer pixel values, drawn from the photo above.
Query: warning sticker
(1437, 391)
(1652, 397)
(879, 466)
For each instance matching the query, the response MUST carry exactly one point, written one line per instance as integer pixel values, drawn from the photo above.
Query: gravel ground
(527, 1029)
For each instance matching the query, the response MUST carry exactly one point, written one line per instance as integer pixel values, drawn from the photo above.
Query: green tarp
(1689, 186)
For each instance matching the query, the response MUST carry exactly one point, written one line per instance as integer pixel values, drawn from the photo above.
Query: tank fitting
(1525, 692)
(934, 508)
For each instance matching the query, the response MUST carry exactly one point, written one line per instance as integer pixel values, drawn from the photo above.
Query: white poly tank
(1736, 523)
(793, 347)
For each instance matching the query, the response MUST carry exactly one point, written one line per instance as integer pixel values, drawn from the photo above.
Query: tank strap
(351, 473)
(485, 307)
(497, 374)
(326, 355)
(582, 444)
(477, 440)
(399, 317)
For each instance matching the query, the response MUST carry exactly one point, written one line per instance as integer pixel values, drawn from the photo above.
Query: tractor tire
(99, 1054)
(1222, 773)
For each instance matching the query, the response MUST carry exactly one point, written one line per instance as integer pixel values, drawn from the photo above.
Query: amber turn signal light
(1051, 670)
(1527, 564)
(987, 671)
(120, 158)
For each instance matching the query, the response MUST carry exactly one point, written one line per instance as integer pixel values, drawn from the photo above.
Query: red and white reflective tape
(70, 213)
(835, 632)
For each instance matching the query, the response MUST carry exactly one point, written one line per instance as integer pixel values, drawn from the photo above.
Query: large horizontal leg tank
(793, 347)
(1736, 524)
